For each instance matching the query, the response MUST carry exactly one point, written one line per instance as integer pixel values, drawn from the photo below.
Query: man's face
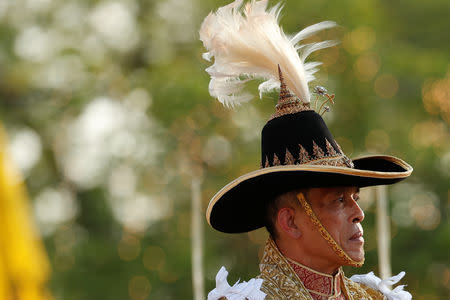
(340, 214)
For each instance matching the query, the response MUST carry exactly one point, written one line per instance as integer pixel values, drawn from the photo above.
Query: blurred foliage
(107, 107)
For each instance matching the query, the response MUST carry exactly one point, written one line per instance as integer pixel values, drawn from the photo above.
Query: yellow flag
(24, 267)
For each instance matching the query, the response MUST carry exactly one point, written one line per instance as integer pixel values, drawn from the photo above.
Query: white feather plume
(247, 42)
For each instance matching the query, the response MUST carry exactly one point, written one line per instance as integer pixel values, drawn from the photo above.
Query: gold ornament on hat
(287, 102)
(320, 91)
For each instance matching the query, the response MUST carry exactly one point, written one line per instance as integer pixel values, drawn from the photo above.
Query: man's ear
(287, 222)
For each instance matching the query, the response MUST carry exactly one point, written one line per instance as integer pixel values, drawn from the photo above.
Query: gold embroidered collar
(320, 284)
(281, 281)
(274, 263)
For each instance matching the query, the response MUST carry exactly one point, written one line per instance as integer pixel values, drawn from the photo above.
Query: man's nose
(357, 215)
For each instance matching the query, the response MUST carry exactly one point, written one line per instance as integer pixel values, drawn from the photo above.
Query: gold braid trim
(336, 248)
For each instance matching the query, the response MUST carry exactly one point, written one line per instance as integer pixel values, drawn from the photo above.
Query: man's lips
(357, 237)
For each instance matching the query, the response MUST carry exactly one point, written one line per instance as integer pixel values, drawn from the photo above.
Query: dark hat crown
(296, 134)
(300, 138)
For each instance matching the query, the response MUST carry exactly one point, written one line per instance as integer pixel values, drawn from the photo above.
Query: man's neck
(316, 263)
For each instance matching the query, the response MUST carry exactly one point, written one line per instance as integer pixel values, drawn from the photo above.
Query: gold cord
(336, 248)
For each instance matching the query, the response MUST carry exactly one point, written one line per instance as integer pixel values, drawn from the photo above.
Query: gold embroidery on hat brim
(303, 155)
(266, 164)
(317, 151)
(331, 158)
(339, 147)
(276, 160)
(336, 161)
(289, 158)
(326, 235)
(330, 149)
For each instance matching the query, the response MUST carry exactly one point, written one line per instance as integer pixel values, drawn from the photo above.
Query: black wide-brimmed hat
(298, 151)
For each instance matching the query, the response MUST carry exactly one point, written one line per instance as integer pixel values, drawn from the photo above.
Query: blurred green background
(107, 109)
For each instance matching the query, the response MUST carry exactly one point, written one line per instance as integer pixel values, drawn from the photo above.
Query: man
(307, 189)
(297, 243)
(295, 234)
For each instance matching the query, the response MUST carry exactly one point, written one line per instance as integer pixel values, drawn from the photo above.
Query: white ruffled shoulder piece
(378, 284)
(239, 291)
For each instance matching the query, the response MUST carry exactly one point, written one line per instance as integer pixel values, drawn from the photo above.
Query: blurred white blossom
(53, 207)
(106, 132)
(137, 213)
(36, 44)
(26, 149)
(62, 73)
(115, 22)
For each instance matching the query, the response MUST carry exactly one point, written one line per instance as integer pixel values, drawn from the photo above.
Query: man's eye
(341, 199)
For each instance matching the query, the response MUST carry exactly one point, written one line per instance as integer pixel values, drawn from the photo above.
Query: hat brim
(240, 205)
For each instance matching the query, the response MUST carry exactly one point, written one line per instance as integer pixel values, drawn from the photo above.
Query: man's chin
(357, 256)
